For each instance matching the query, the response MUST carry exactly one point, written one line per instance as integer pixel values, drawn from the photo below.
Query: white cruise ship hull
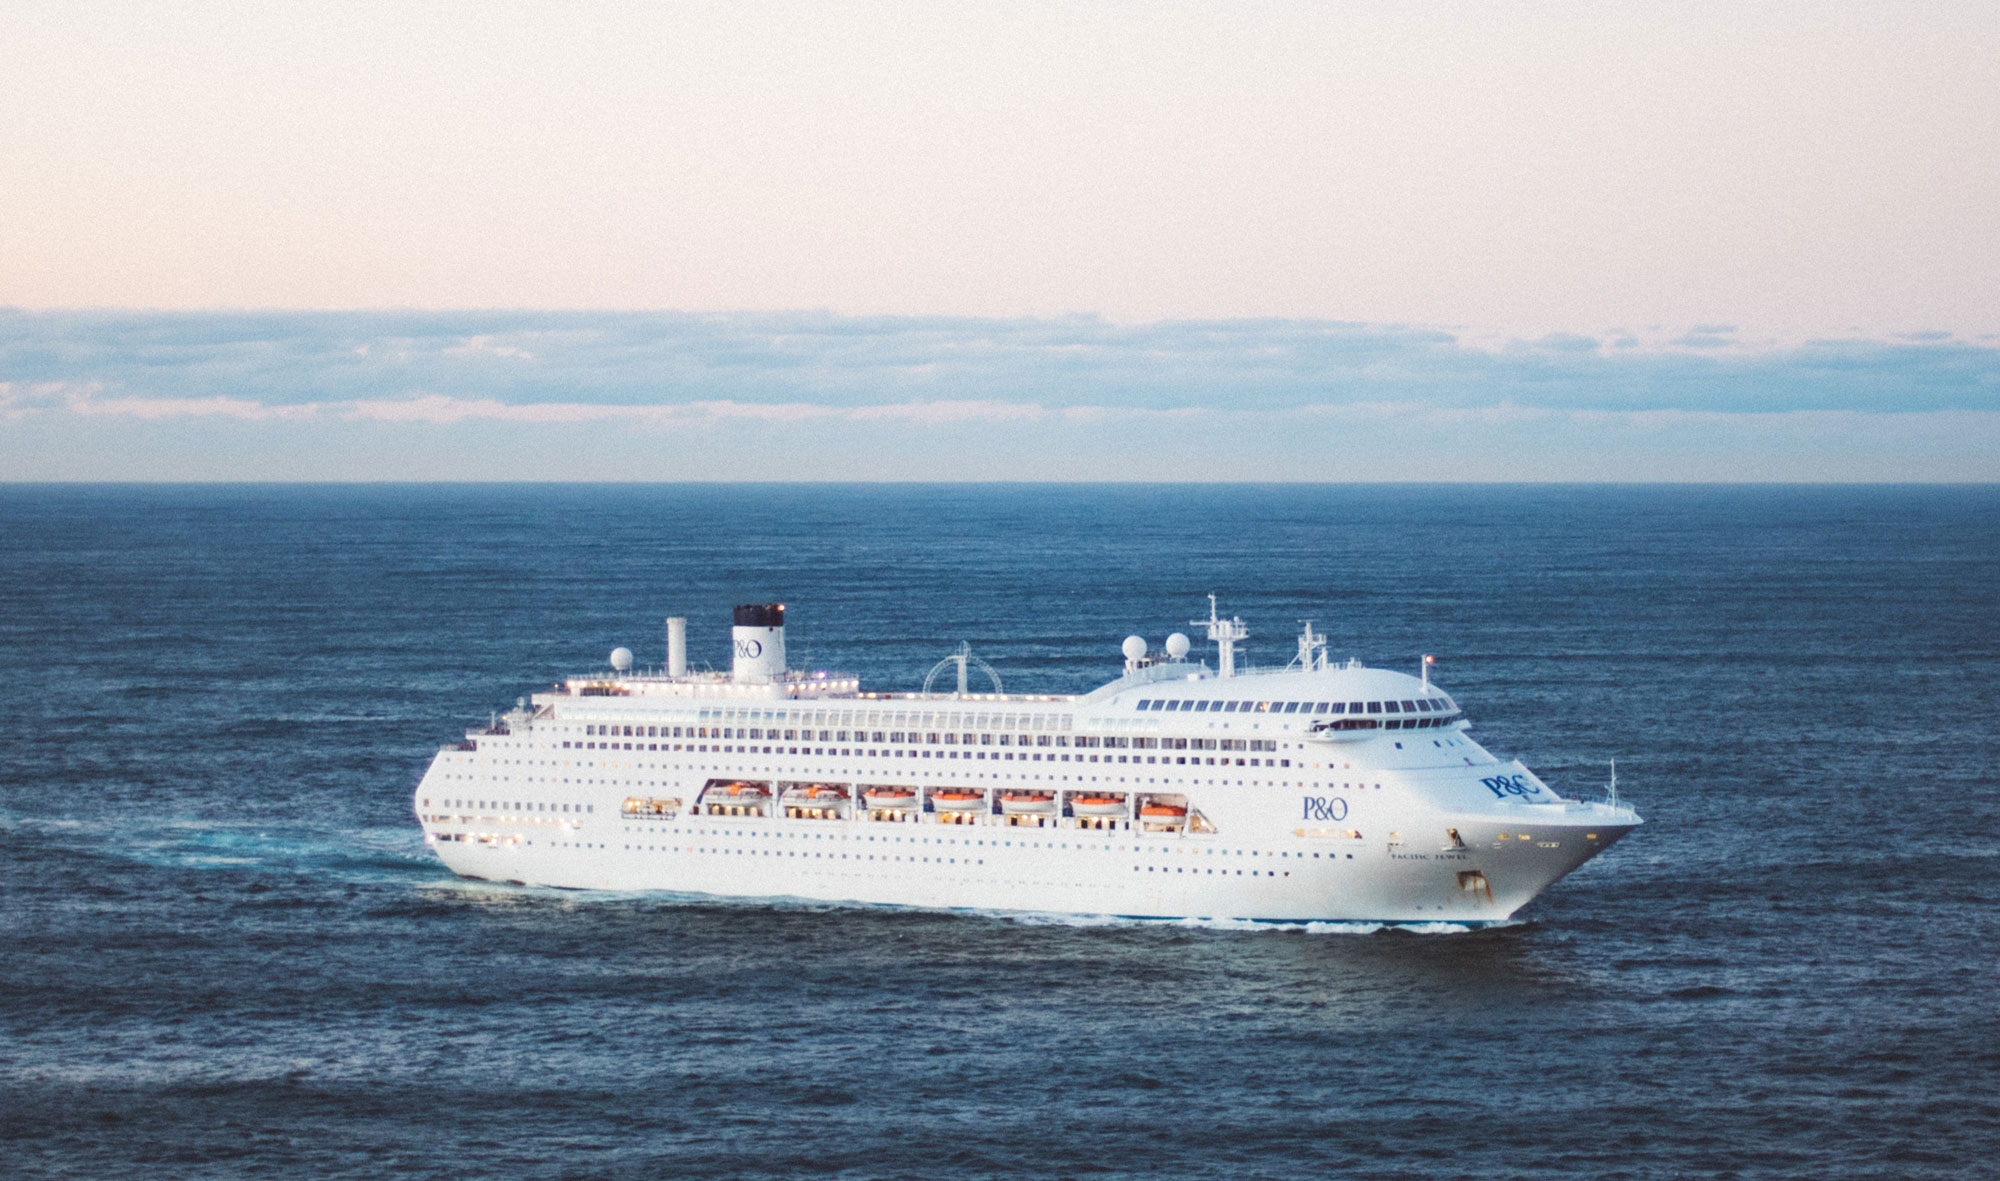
(1053, 871)
(1316, 793)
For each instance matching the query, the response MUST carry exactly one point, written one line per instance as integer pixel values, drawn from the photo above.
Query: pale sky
(1533, 212)
(1784, 167)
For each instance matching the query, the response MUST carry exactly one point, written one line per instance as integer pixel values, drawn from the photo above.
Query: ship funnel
(758, 643)
(677, 646)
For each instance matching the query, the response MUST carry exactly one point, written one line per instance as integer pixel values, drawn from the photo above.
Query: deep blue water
(225, 953)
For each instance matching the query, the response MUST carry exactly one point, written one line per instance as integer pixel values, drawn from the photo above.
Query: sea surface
(225, 953)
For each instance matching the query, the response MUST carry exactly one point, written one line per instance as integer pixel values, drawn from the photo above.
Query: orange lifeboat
(1027, 803)
(890, 797)
(736, 799)
(958, 801)
(816, 801)
(1097, 805)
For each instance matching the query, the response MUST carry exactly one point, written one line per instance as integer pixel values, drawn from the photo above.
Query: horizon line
(1415, 483)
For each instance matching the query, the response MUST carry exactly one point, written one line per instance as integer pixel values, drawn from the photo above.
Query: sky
(1325, 241)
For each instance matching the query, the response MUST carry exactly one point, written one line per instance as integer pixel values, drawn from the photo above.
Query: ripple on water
(228, 953)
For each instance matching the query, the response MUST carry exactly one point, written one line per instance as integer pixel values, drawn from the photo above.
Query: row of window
(1204, 705)
(1255, 873)
(513, 805)
(853, 717)
(1043, 846)
(1038, 756)
(1211, 871)
(932, 738)
(1385, 724)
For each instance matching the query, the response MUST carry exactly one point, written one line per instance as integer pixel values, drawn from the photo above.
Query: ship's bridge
(1338, 700)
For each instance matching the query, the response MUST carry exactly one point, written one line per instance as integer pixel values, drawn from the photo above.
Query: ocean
(227, 953)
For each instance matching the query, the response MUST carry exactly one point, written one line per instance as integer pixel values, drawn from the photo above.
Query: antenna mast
(1312, 649)
(1226, 634)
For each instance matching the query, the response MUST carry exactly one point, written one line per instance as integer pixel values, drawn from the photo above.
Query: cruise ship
(1318, 792)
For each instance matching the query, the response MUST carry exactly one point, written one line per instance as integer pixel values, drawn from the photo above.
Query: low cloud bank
(668, 359)
(519, 395)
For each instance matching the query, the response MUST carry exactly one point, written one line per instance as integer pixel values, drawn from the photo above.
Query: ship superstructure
(1320, 791)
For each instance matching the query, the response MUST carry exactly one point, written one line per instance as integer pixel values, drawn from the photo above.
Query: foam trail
(1043, 918)
(186, 843)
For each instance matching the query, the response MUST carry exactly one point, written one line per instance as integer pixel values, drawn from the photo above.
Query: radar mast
(1226, 634)
(1312, 650)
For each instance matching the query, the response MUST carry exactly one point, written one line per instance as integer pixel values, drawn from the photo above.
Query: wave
(192, 843)
(1197, 923)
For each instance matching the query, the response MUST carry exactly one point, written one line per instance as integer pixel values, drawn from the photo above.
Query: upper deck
(1173, 697)
(1160, 692)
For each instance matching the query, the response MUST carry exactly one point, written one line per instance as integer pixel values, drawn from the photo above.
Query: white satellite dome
(621, 659)
(1134, 647)
(1177, 645)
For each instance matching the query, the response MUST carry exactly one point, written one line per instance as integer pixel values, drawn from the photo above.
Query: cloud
(480, 345)
(155, 409)
(444, 410)
(1565, 342)
(652, 371)
(440, 410)
(19, 399)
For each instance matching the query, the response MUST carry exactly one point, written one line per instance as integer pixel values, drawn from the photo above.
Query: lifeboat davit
(890, 797)
(1097, 805)
(1029, 803)
(958, 801)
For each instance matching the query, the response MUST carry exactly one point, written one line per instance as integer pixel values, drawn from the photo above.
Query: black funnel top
(761, 615)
